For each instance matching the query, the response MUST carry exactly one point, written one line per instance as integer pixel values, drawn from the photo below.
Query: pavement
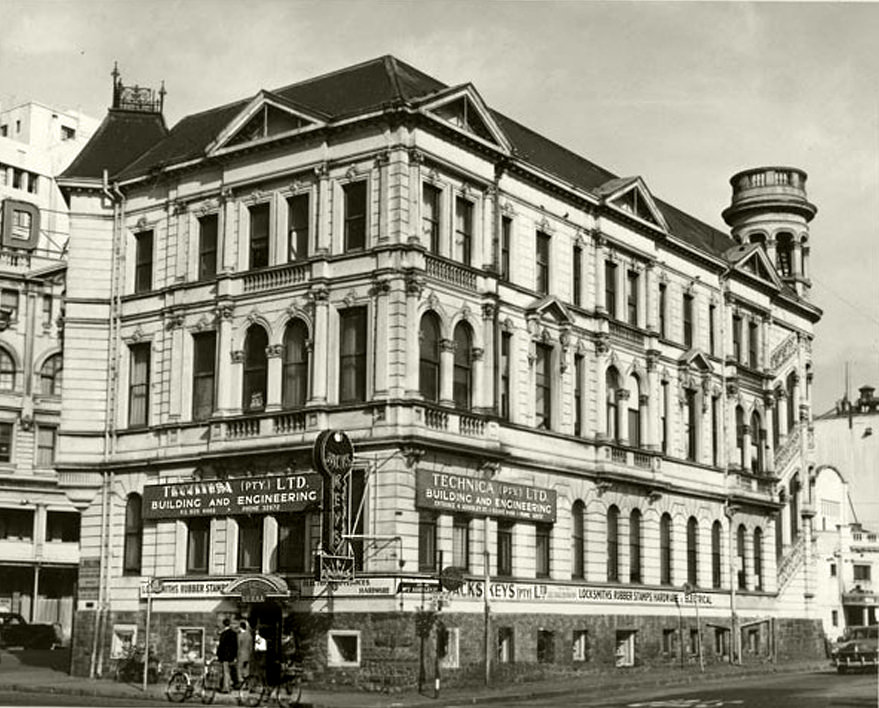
(33, 672)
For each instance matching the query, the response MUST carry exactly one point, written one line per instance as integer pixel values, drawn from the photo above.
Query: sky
(684, 94)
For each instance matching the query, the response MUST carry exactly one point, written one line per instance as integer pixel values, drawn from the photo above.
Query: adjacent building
(39, 520)
(587, 410)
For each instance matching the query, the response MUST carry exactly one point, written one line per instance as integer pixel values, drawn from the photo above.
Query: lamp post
(689, 589)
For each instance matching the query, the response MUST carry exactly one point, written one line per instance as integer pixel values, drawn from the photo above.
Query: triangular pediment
(631, 196)
(463, 108)
(551, 307)
(696, 360)
(754, 261)
(266, 117)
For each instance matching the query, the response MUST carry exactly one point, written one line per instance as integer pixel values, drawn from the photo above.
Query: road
(824, 689)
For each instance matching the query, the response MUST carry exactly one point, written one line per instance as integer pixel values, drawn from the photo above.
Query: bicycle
(181, 686)
(288, 692)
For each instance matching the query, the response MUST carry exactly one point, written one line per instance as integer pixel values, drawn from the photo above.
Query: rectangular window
(688, 320)
(692, 422)
(543, 386)
(663, 326)
(143, 262)
(352, 355)
(506, 650)
(430, 216)
(632, 297)
(17, 525)
(9, 303)
(578, 275)
(693, 647)
(663, 416)
(737, 337)
(506, 341)
(259, 236)
(355, 216)
(208, 227)
(17, 178)
(545, 646)
(506, 237)
(580, 645)
(461, 542)
(139, 385)
(715, 431)
(610, 288)
(250, 544)
(204, 357)
(197, 544)
(343, 648)
(293, 551)
(542, 258)
(464, 230)
(543, 534)
(6, 442)
(47, 311)
(752, 344)
(712, 315)
(33, 182)
(298, 233)
(426, 543)
(624, 651)
(504, 548)
(861, 572)
(62, 526)
(578, 394)
(46, 440)
(669, 642)
(834, 617)
(833, 570)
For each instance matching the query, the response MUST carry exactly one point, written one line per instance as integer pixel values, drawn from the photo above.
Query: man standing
(227, 653)
(245, 647)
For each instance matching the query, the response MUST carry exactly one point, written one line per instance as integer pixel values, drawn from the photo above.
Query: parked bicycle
(129, 667)
(288, 692)
(182, 684)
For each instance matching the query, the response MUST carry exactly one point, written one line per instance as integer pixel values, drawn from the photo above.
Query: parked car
(859, 650)
(16, 632)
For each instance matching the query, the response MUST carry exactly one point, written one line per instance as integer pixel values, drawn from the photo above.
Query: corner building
(542, 367)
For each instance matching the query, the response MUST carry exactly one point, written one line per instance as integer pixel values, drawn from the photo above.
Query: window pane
(207, 247)
(292, 547)
(259, 236)
(6, 442)
(461, 543)
(250, 544)
(463, 230)
(352, 355)
(504, 548)
(462, 385)
(542, 548)
(197, 549)
(543, 386)
(542, 258)
(430, 215)
(255, 369)
(138, 393)
(295, 384)
(204, 361)
(143, 262)
(355, 216)
(50, 376)
(46, 437)
(429, 358)
(298, 213)
(133, 535)
(426, 543)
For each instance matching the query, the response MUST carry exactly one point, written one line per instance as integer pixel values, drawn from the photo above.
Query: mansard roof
(355, 91)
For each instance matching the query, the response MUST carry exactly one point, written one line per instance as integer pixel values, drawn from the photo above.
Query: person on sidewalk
(227, 653)
(260, 649)
(245, 649)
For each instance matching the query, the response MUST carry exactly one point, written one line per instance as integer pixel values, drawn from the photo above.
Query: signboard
(484, 497)
(176, 589)
(579, 594)
(227, 497)
(333, 453)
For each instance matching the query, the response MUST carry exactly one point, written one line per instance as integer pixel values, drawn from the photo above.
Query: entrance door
(266, 617)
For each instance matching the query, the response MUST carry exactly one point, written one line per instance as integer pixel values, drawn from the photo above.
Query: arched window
(294, 390)
(756, 446)
(578, 546)
(50, 376)
(791, 386)
(758, 558)
(716, 536)
(692, 551)
(613, 551)
(634, 411)
(740, 436)
(776, 429)
(463, 378)
(740, 555)
(758, 238)
(7, 371)
(133, 536)
(635, 546)
(429, 357)
(255, 369)
(612, 382)
(794, 506)
(665, 549)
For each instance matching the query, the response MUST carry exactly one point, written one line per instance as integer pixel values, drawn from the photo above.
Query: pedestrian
(260, 648)
(245, 647)
(227, 653)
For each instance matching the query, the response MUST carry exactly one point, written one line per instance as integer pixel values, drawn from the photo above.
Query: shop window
(545, 647)
(506, 239)
(16, 524)
(50, 375)
(624, 653)
(124, 640)
(461, 542)
(190, 645)
(462, 387)
(259, 236)
(355, 216)
(581, 649)
(250, 533)
(543, 387)
(197, 545)
(208, 227)
(143, 262)
(506, 646)
(635, 546)
(133, 535)
(204, 358)
(62, 526)
(352, 355)
(753, 641)
(429, 357)
(299, 217)
(255, 369)
(139, 385)
(578, 540)
(6, 431)
(426, 542)
(463, 246)
(46, 442)
(543, 536)
(861, 573)
(295, 383)
(430, 217)
(451, 659)
(343, 648)
(541, 254)
(292, 543)
(505, 548)
(7, 371)
(670, 642)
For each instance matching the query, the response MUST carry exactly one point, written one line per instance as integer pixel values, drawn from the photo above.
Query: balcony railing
(754, 483)
(449, 272)
(278, 277)
(243, 428)
(471, 425)
(787, 450)
(438, 420)
(289, 423)
(626, 333)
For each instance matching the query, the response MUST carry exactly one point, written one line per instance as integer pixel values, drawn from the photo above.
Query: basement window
(343, 648)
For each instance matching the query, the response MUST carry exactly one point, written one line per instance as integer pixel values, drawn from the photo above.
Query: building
(591, 407)
(39, 521)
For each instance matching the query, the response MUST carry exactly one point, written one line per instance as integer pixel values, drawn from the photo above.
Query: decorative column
(320, 305)
(380, 290)
(746, 446)
(416, 159)
(236, 379)
(649, 288)
(783, 423)
(225, 384)
(174, 330)
(622, 396)
(766, 435)
(599, 256)
(477, 356)
(324, 220)
(228, 232)
(490, 374)
(447, 371)
(620, 272)
(414, 287)
(798, 259)
(275, 377)
(653, 435)
(770, 250)
(381, 171)
(601, 390)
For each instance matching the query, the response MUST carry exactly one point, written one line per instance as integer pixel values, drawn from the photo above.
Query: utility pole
(734, 657)
(486, 602)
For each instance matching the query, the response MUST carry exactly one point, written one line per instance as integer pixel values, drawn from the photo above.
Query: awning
(257, 588)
